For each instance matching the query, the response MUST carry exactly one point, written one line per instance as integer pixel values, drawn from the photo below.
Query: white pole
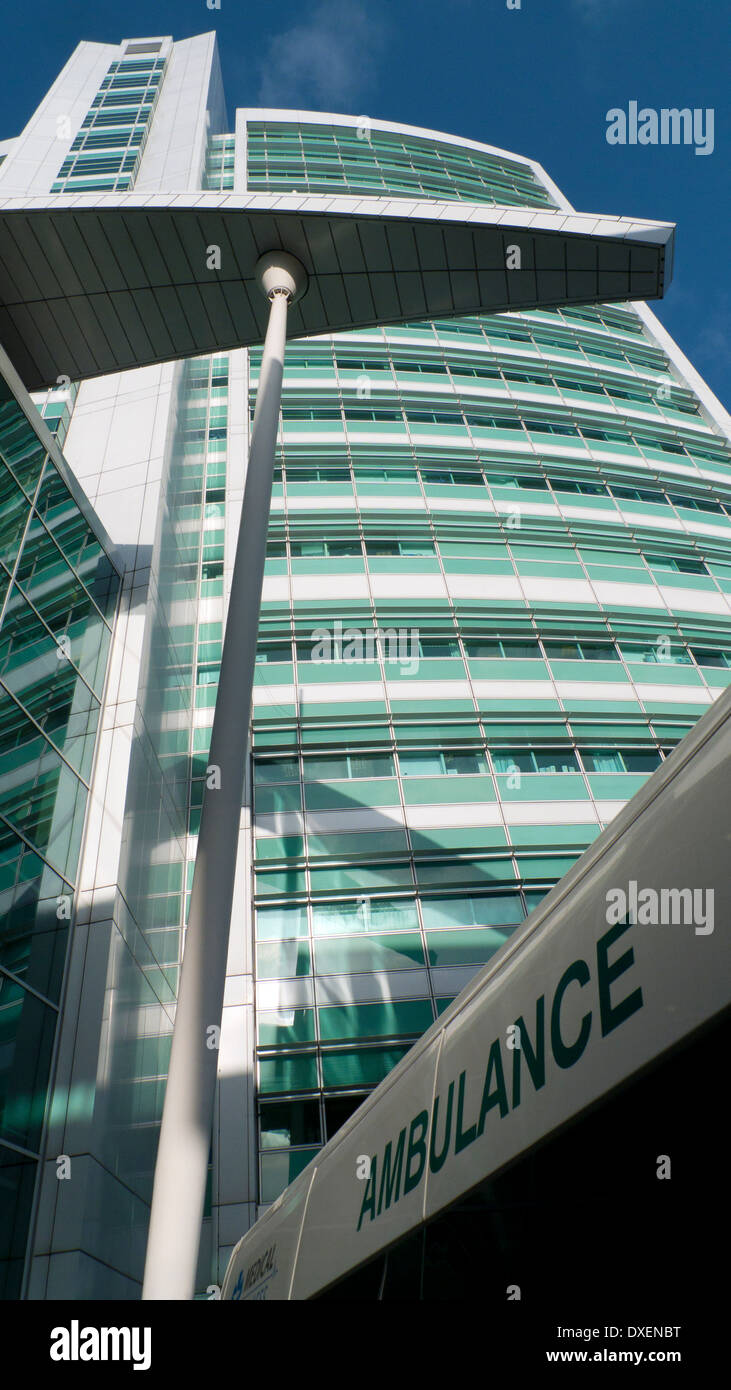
(182, 1158)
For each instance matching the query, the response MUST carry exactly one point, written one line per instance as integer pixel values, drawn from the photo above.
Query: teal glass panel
(279, 923)
(64, 605)
(36, 670)
(349, 955)
(375, 1020)
(39, 794)
(27, 1028)
(35, 909)
(17, 1182)
(277, 1074)
(494, 909)
(471, 947)
(364, 915)
(72, 533)
(285, 1027)
(19, 445)
(359, 1066)
(282, 959)
(14, 514)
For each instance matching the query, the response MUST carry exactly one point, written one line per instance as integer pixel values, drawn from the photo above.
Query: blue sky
(538, 80)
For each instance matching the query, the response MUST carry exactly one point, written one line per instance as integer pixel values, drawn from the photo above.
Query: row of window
(106, 152)
(450, 763)
(495, 476)
(486, 419)
(349, 917)
(538, 375)
(660, 651)
(418, 544)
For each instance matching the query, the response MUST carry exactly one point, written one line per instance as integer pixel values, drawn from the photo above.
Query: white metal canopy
(97, 283)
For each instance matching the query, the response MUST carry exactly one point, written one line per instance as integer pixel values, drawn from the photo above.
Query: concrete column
(185, 1136)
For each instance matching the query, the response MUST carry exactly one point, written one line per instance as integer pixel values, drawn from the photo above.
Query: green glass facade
(58, 594)
(538, 509)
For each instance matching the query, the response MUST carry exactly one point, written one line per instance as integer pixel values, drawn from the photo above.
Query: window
(281, 923)
(681, 564)
(331, 767)
(273, 770)
(659, 652)
(438, 647)
(620, 759)
(512, 648)
(534, 760)
(364, 914)
(289, 1123)
(524, 480)
(357, 413)
(334, 548)
(707, 656)
(493, 422)
(494, 909)
(437, 764)
(699, 504)
(639, 494)
(416, 546)
(594, 387)
(572, 485)
(550, 427)
(581, 651)
(332, 473)
(443, 475)
(402, 365)
(276, 652)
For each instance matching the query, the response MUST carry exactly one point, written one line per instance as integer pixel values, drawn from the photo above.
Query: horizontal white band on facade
(325, 503)
(607, 691)
(412, 689)
(619, 515)
(610, 593)
(408, 585)
(487, 586)
(268, 696)
(515, 689)
(435, 817)
(450, 814)
(613, 593)
(392, 502)
(674, 694)
(607, 810)
(697, 600)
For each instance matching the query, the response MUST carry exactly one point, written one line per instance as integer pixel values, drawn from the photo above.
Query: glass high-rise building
(496, 595)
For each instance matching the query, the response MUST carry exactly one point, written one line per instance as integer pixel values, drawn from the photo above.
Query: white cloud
(327, 61)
